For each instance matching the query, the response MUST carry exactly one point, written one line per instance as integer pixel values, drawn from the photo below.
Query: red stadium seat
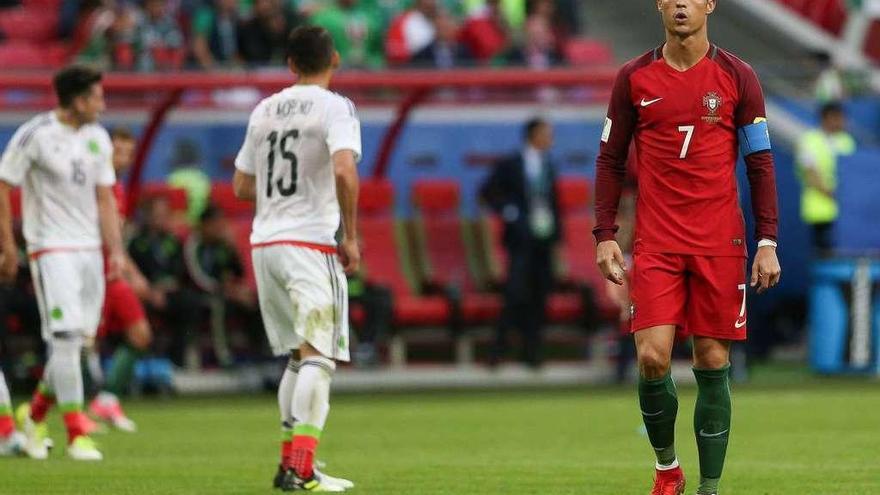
(223, 197)
(578, 251)
(447, 259)
(383, 258)
(19, 54)
(872, 41)
(31, 24)
(583, 51)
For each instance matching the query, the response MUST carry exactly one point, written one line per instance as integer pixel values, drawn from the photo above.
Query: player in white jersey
(62, 161)
(299, 163)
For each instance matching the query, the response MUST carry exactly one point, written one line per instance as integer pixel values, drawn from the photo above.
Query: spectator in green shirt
(214, 34)
(356, 32)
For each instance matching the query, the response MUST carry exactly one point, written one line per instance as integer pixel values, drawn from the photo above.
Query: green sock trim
(712, 424)
(286, 434)
(5, 410)
(70, 407)
(708, 486)
(44, 389)
(307, 431)
(658, 400)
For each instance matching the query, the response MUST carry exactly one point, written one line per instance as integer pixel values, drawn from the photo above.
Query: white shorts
(303, 296)
(70, 291)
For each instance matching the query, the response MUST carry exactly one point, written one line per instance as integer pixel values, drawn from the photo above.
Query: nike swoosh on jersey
(712, 435)
(740, 324)
(646, 103)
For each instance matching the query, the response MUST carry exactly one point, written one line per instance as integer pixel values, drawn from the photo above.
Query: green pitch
(818, 439)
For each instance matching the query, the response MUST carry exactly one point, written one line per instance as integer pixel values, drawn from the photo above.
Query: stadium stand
(446, 251)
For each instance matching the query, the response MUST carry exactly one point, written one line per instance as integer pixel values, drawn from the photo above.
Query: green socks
(712, 425)
(659, 404)
(122, 370)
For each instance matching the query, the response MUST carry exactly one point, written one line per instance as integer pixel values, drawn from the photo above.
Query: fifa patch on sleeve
(606, 131)
(754, 137)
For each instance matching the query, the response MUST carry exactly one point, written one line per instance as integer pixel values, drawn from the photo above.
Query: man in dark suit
(522, 190)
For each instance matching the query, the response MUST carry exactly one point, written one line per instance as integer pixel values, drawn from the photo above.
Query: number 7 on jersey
(689, 133)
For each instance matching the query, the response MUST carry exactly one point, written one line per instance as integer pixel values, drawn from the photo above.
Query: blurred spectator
(158, 254)
(215, 33)
(540, 45)
(816, 158)
(216, 270)
(356, 32)
(158, 41)
(261, 38)
(512, 11)
(522, 191)
(486, 33)
(446, 51)
(104, 34)
(412, 31)
(186, 173)
(830, 85)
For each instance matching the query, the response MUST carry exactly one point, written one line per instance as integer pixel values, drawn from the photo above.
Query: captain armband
(754, 137)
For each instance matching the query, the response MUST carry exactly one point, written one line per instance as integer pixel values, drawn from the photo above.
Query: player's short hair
(74, 81)
(121, 133)
(532, 125)
(310, 49)
(831, 108)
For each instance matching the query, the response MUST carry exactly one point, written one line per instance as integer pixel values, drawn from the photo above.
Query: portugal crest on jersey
(712, 101)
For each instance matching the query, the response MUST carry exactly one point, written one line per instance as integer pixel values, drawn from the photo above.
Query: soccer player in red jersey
(122, 313)
(687, 107)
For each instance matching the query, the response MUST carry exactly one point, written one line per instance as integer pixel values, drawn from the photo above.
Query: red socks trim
(7, 426)
(73, 422)
(303, 457)
(287, 454)
(40, 405)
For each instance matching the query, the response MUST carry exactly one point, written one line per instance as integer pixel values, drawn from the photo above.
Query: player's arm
(15, 162)
(8, 247)
(344, 144)
(754, 143)
(244, 182)
(111, 235)
(244, 186)
(347, 185)
(610, 174)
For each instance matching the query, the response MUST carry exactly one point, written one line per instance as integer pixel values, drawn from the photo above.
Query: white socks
(662, 467)
(285, 392)
(311, 397)
(63, 370)
(5, 400)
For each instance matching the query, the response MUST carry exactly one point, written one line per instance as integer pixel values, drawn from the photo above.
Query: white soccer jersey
(58, 168)
(290, 140)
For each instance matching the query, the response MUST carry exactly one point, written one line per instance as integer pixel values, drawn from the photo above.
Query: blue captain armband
(754, 137)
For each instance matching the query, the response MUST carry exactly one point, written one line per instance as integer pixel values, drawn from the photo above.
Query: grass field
(822, 438)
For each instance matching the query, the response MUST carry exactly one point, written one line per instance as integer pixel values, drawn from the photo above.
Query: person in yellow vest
(817, 154)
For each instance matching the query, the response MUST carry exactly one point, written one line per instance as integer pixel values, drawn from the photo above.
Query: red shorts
(702, 295)
(122, 308)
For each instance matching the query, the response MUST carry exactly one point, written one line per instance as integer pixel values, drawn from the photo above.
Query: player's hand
(8, 266)
(115, 264)
(765, 270)
(609, 257)
(350, 254)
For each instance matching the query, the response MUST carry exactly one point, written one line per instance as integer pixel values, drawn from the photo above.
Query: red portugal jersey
(684, 129)
(119, 193)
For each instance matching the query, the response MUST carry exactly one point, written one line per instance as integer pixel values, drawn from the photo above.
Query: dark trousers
(529, 280)
(823, 238)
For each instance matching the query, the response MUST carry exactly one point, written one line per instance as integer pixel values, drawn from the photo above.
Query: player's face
(123, 154)
(90, 105)
(685, 17)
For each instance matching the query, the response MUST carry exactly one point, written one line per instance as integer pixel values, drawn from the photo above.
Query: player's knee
(139, 335)
(711, 359)
(653, 363)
